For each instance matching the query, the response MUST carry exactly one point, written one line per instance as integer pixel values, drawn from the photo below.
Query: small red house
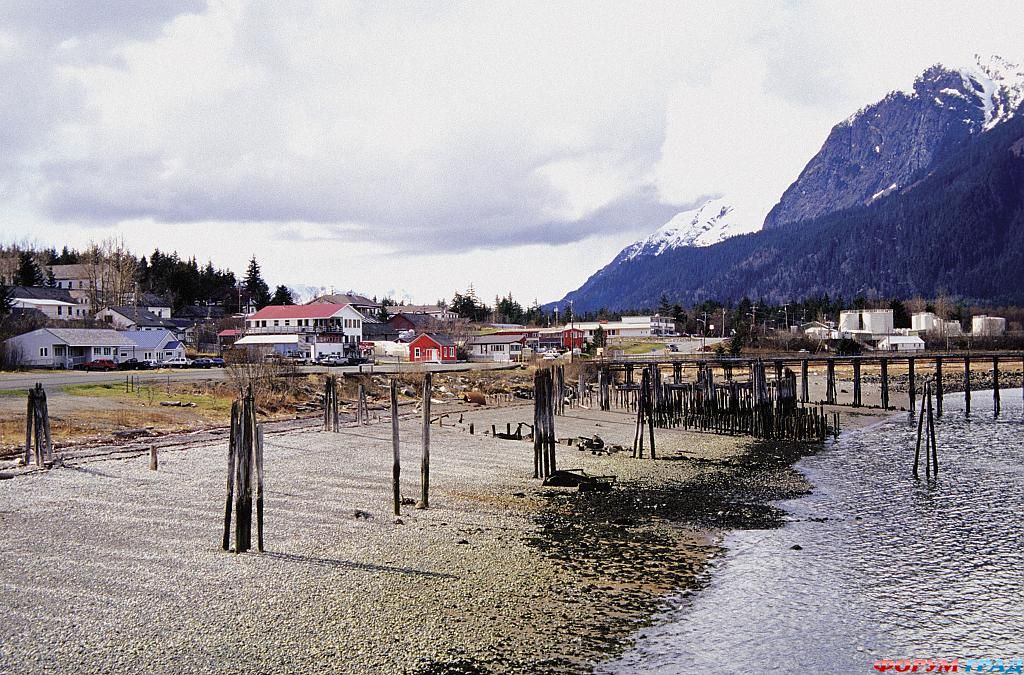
(432, 347)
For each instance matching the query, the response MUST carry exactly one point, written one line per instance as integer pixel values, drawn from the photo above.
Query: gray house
(66, 347)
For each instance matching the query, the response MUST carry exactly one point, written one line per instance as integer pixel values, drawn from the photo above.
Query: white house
(67, 347)
(135, 318)
(900, 343)
(55, 303)
(151, 345)
(495, 347)
(314, 329)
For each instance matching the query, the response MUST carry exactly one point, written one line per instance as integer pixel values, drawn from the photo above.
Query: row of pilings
(761, 407)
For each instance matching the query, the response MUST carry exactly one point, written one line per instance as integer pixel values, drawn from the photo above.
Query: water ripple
(890, 566)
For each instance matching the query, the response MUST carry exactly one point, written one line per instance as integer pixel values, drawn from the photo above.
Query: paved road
(61, 378)
(693, 345)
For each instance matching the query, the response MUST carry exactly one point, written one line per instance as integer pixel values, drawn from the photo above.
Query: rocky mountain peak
(885, 146)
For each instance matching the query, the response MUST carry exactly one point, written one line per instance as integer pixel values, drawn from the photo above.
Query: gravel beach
(111, 567)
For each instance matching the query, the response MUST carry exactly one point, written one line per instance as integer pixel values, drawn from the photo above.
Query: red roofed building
(432, 347)
(316, 329)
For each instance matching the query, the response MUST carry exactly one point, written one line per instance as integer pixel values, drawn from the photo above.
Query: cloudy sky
(414, 148)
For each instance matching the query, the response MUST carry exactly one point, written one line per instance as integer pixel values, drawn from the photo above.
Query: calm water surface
(890, 567)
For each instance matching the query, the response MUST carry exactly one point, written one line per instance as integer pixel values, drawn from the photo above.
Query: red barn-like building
(432, 347)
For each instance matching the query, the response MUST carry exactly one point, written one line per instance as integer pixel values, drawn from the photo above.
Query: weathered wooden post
(967, 384)
(856, 382)
(911, 384)
(245, 463)
(233, 439)
(396, 468)
(830, 381)
(885, 383)
(804, 396)
(153, 462)
(938, 386)
(428, 382)
(38, 442)
(995, 384)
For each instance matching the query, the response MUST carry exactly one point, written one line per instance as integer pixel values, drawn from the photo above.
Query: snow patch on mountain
(713, 221)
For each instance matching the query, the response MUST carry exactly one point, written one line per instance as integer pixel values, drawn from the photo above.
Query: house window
(276, 322)
(44, 351)
(417, 352)
(96, 351)
(59, 310)
(106, 351)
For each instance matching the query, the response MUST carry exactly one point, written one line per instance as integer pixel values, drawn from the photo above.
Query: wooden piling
(884, 363)
(856, 383)
(911, 384)
(804, 396)
(396, 467)
(231, 474)
(967, 384)
(938, 386)
(259, 488)
(153, 461)
(995, 384)
(425, 462)
(830, 381)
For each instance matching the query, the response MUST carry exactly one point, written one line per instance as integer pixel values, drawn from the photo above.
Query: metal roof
(90, 337)
(494, 339)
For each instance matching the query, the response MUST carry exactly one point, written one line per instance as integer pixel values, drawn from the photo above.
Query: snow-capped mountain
(887, 146)
(713, 221)
(895, 151)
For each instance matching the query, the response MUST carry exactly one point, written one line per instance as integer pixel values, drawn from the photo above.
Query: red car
(100, 364)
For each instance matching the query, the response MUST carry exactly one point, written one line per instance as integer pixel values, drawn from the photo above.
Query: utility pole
(723, 323)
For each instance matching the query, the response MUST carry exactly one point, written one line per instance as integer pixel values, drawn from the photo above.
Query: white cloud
(517, 145)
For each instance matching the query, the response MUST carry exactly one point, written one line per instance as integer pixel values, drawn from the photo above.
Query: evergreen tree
(51, 280)
(259, 292)
(282, 296)
(6, 302)
(28, 273)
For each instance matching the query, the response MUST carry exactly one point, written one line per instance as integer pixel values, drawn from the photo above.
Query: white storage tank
(877, 321)
(849, 320)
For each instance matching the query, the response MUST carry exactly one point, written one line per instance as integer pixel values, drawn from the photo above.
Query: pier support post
(856, 382)
(995, 384)
(938, 386)
(830, 381)
(967, 384)
(911, 384)
(885, 383)
(803, 381)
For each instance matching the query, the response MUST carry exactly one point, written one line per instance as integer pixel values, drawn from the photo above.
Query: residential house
(140, 318)
(226, 338)
(420, 323)
(432, 347)
(496, 347)
(313, 330)
(67, 347)
(361, 303)
(55, 303)
(154, 304)
(151, 345)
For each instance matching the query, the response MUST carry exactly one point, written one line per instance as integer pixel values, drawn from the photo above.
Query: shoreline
(500, 574)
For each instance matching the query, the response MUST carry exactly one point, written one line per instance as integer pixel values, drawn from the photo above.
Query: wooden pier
(686, 393)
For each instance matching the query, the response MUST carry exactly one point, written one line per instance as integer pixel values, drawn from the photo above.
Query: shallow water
(890, 567)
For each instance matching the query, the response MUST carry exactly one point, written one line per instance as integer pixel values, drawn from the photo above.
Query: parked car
(179, 362)
(152, 364)
(202, 362)
(217, 362)
(550, 356)
(100, 365)
(333, 360)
